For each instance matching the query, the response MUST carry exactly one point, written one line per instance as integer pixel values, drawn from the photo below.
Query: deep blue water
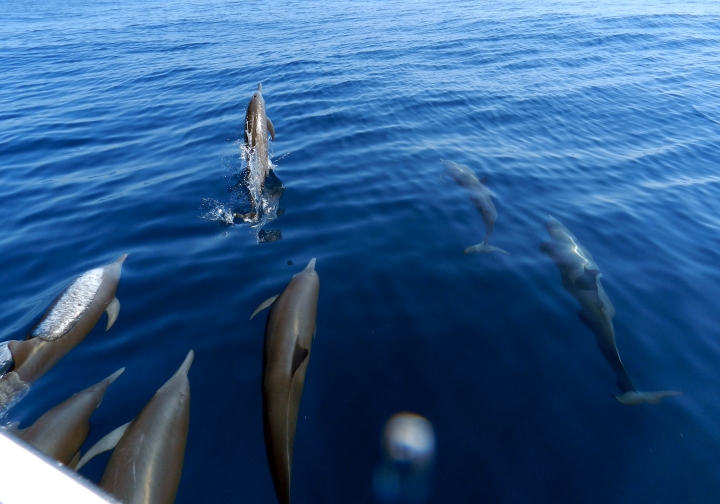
(120, 123)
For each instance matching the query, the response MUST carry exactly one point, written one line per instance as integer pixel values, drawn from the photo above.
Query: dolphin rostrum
(289, 333)
(61, 431)
(146, 465)
(581, 278)
(68, 321)
(480, 196)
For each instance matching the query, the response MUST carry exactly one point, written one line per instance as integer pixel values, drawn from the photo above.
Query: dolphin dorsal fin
(107, 443)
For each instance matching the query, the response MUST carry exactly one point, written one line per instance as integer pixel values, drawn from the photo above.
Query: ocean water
(121, 130)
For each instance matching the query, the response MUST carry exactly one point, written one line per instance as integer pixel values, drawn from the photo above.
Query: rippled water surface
(120, 129)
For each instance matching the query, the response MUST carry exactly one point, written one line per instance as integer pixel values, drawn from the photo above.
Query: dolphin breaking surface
(71, 306)
(12, 390)
(557, 103)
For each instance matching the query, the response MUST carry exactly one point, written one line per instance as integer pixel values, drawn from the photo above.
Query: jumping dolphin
(289, 333)
(67, 322)
(480, 196)
(146, 465)
(61, 431)
(257, 127)
(581, 278)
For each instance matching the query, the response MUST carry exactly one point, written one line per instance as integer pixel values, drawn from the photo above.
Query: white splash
(71, 306)
(216, 211)
(256, 178)
(6, 358)
(12, 390)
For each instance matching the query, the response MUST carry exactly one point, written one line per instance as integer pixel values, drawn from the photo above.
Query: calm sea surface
(120, 132)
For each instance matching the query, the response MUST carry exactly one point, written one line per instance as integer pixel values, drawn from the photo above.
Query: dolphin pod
(146, 464)
(480, 196)
(61, 431)
(581, 278)
(289, 333)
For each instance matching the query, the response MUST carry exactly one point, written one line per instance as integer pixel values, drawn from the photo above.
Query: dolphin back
(289, 334)
(61, 431)
(146, 465)
(35, 356)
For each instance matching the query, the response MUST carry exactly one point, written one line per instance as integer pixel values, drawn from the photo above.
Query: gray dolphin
(67, 322)
(146, 465)
(289, 333)
(257, 127)
(61, 431)
(480, 196)
(581, 278)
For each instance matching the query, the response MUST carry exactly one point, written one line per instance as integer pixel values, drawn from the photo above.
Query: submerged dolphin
(480, 196)
(61, 431)
(289, 333)
(66, 323)
(146, 465)
(257, 127)
(581, 278)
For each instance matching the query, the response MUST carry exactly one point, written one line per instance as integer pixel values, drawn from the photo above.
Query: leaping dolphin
(480, 196)
(146, 465)
(257, 127)
(581, 278)
(61, 431)
(289, 333)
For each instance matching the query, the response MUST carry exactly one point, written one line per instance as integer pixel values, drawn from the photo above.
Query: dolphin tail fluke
(633, 398)
(113, 310)
(484, 247)
(107, 443)
(264, 305)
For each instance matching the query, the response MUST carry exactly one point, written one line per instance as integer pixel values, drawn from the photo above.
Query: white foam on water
(12, 390)
(217, 212)
(251, 197)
